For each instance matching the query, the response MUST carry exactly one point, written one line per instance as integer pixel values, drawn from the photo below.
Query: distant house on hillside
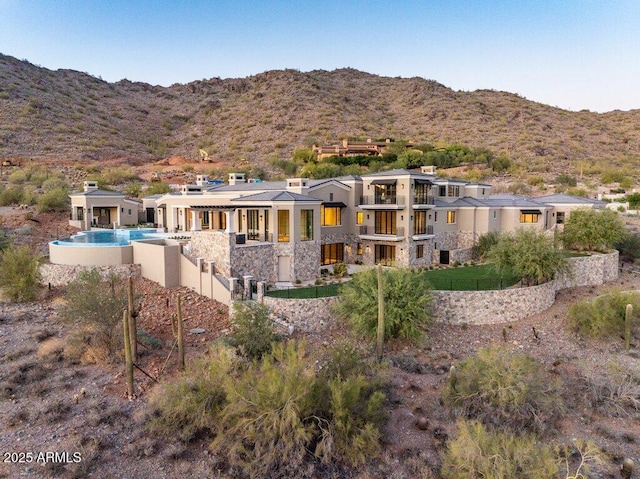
(93, 207)
(354, 148)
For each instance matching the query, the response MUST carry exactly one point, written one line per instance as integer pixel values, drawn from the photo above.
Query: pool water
(108, 237)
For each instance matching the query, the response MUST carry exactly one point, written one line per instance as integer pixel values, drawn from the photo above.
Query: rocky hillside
(72, 115)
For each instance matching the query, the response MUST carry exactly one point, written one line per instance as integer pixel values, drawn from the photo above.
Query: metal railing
(471, 284)
(372, 230)
(382, 200)
(311, 292)
(424, 199)
(428, 230)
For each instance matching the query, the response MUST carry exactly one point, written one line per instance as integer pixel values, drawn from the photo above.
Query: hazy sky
(572, 54)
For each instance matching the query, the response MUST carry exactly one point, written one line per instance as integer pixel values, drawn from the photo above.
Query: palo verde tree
(593, 230)
(407, 302)
(529, 254)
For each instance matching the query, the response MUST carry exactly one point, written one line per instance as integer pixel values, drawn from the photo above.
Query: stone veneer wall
(257, 260)
(471, 307)
(305, 264)
(63, 274)
(214, 246)
(308, 315)
(590, 270)
(490, 307)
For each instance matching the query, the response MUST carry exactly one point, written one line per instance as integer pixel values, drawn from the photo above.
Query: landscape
(554, 394)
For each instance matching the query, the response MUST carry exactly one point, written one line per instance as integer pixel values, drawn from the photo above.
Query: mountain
(73, 115)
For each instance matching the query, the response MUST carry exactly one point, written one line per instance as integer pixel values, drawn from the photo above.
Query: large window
(420, 223)
(222, 220)
(385, 194)
(283, 226)
(359, 217)
(330, 216)
(385, 223)
(306, 225)
(451, 217)
(453, 191)
(332, 253)
(385, 254)
(266, 225)
(529, 216)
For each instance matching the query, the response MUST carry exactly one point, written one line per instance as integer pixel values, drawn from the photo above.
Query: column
(195, 221)
(229, 218)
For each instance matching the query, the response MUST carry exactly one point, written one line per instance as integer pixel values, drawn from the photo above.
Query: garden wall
(471, 307)
(63, 274)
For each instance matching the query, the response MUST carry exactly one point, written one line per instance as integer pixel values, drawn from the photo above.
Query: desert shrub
(133, 188)
(593, 230)
(279, 415)
(188, 406)
(566, 180)
(340, 269)
(407, 301)
(350, 432)
(54, 183)
(485, 243)
(118, 176)
(11, 195)
(614, 392)
(476, 452)
(504, 389)
(253, 331)
(20, 273)
(19, 177)
(157, 188)
(603, 317)
(262, 428)
(536, 180)
(53, 200)
(629, 247)
(528, 254)
(95, 306)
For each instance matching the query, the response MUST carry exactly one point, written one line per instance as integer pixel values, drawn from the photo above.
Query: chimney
(90, 185)
(428, 169)
(201, 180)
(298, 185)
(236, 178)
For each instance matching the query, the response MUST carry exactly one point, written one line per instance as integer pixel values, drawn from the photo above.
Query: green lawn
(469, 278)
(464, 278)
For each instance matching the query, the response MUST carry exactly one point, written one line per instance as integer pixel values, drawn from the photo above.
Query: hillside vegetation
(73, 115)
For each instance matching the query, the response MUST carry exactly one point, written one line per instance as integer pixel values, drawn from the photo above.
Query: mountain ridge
(69, 114)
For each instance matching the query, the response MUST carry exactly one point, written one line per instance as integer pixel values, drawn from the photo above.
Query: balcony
(382, 202)
(423, 233)
(370, 232)
(422, 201)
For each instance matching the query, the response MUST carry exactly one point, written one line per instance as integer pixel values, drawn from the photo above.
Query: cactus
(180, 335)
(627, 326)
(128, 361)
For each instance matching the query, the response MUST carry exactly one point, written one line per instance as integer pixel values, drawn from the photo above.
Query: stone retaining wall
(63, 274)
(306, 315)
(491, 307)
(471, 307)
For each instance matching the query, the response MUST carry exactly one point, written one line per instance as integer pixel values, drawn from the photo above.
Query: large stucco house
(284, 231)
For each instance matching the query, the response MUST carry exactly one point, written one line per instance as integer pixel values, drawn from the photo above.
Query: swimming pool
(109, 237)
(104, 247)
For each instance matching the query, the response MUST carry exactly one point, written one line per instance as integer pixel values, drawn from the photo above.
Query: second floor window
(359, 217)
(385, 194)
(330, 216)
(283, 226)
(420, 223)
(385, 223)
(306, 225)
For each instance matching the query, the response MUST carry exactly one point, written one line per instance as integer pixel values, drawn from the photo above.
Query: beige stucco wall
(159, 261)
(90, 255)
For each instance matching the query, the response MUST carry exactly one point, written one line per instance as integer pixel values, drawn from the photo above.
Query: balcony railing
(371, 230)
(425, 199)
(382, 200)
(428, 230)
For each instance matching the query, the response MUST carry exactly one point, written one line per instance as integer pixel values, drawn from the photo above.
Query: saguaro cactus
(128, 360)
(627, 326)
